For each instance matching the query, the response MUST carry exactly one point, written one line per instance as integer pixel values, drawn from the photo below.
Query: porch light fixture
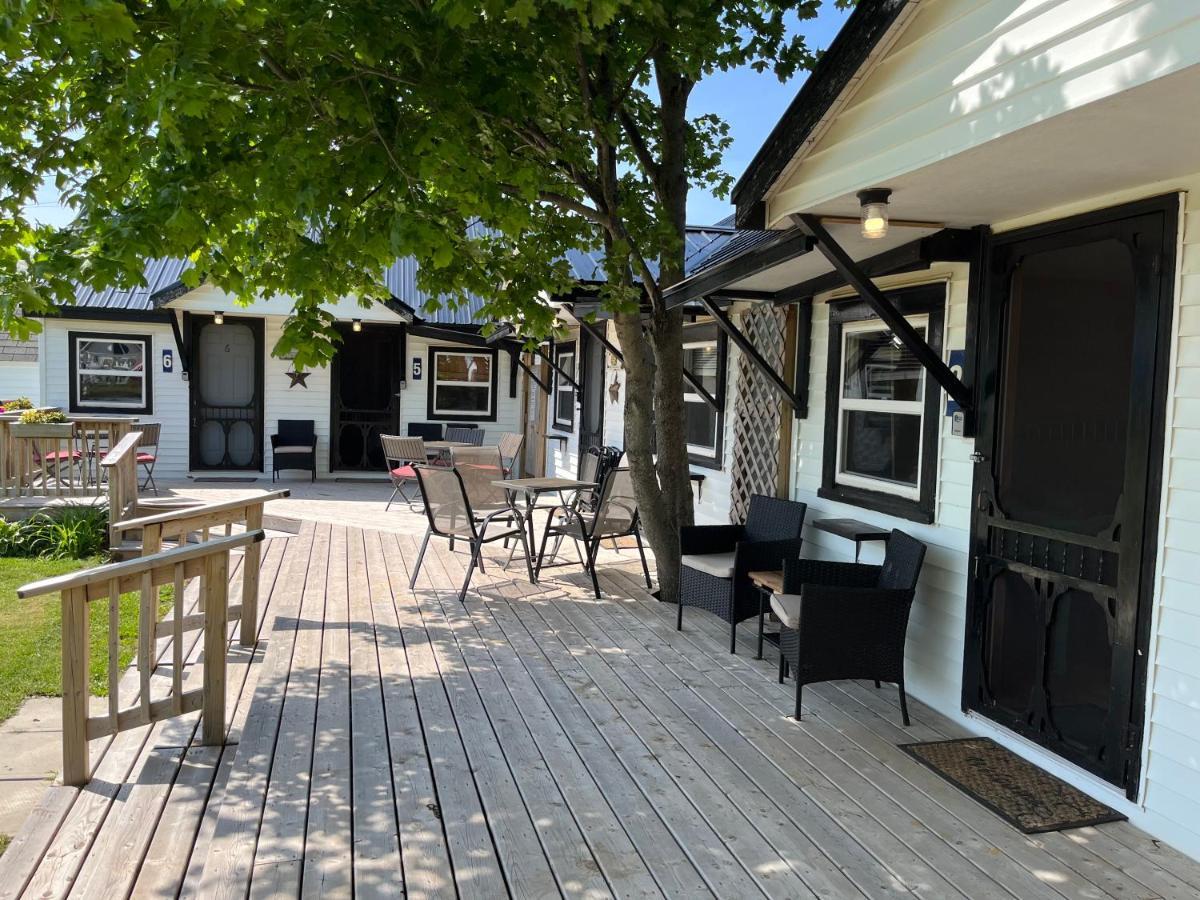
(356, 325)
(218, 318)
(874, 203)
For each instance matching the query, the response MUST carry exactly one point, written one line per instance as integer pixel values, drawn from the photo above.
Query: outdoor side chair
(294, 446)
(717, 560)
(451, 516)
(147, 451)
(511, 444)
(616, 516)
(465, 434)
(400, 455)
(848, 620)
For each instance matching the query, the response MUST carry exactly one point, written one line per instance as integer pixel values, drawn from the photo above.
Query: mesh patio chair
(480, 467)
(451, 516)
(465, 434)
(400, 455)
(717, 560)
(848, 620)
(616, 516)
(511, 445)
(147, 451)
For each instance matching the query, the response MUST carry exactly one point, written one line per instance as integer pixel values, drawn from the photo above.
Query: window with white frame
(462, 383)
(110, 372)
(881, 416)
(882, 410)
(704, 360)
(564, 391)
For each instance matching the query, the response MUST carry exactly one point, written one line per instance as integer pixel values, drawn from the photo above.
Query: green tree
(298, 146)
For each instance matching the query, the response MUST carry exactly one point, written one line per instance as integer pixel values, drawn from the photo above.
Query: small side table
(768, 582)
(852, 530)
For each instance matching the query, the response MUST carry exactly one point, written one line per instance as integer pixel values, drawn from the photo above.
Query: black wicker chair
(429, 431)
(294, 447)
(717, 559)
(847, 620)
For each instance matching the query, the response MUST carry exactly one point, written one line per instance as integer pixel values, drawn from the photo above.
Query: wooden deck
(533, 743)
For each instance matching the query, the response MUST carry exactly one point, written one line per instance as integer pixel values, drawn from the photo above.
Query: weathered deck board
(534, 742)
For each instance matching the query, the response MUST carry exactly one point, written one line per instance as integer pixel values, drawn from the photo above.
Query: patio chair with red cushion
(147, 451)
(401, 454)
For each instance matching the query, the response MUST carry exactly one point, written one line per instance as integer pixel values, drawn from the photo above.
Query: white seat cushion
(719, 565)
(294, 448)
(787, 609)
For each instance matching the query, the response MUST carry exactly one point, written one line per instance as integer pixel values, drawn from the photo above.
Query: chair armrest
(757, 556)
(274, 440)
(701, 539)
(800, 572)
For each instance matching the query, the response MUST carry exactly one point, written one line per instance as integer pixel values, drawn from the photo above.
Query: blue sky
(750, 102)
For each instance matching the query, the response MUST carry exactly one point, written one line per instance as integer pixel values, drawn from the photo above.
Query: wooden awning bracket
(874, 298)
(559, 369)
(180, 346)
(747, 347)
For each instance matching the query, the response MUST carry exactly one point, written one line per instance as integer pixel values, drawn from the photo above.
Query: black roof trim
(853, 45)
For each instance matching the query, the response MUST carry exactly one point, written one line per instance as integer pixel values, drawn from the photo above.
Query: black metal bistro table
(533, 488)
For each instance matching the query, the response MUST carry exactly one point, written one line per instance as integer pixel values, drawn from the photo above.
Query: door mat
(220, 480)
(1013, 788)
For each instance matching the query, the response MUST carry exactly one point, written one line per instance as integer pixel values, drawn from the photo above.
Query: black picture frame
(927, 300)
(431, 382)
(73, 337)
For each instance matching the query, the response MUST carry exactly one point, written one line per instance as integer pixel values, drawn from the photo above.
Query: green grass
(31, 633)
(5, 840)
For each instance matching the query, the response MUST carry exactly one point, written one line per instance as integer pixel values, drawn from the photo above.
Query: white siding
(414, 404)
(965, 72)
(170, 390)
(20, 379)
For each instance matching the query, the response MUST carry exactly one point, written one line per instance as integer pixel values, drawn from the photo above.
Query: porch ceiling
(1138, 137)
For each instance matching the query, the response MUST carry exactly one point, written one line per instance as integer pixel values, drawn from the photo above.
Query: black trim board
(557, 351)
(838, 65)
(921, 300)
(706, 331)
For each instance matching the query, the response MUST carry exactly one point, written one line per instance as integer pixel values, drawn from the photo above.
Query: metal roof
(401, 280)
(701, 242)
(159, 274)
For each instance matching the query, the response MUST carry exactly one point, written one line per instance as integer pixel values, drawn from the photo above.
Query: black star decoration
(298, 378)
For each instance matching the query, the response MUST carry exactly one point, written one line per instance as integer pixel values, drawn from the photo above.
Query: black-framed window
(462, 384)
(882, 410)
(705, 357)
(110, 372)
(564, 391)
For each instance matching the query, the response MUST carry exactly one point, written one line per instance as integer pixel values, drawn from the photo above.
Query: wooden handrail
(133, 567)
(201, 511)
(209, 562)
(127, 444)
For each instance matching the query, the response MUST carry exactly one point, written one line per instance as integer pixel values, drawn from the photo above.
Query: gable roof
(834, 72)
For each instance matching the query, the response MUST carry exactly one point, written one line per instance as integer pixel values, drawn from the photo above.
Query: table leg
(761, 615)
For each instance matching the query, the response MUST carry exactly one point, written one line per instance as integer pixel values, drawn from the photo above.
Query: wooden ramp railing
(56, 461)
(208, 562)
(201, 521)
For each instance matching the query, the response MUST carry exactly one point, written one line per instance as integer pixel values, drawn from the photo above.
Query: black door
(226, 393)
(365, 395)
(591, 407)
(1072, 362)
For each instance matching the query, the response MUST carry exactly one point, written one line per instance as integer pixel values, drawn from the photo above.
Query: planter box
(57, 431)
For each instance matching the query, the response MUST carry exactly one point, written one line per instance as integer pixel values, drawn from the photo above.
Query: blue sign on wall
(168, 360)
(956, 362)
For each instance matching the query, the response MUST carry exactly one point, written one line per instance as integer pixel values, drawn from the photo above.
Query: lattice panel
(758, 414)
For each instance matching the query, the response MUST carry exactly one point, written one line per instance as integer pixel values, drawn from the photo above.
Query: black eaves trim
(852, 47)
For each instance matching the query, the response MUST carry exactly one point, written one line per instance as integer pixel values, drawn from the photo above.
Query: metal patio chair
(400, 455)
(464, 434)
(147, 451)
(451, 516)
(616, 516)
(511, 444)
(848, 620)
(717, 560)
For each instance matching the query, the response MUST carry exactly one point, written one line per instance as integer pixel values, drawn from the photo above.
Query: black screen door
(226, 393)
(1071, 369)
(365, 395)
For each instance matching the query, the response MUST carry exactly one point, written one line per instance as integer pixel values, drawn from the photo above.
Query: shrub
(43, 417)
(77, 532)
